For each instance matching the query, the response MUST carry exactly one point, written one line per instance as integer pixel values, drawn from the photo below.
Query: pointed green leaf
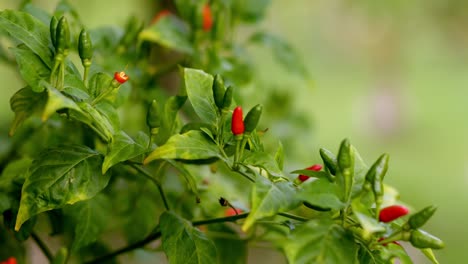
(169, 118)
(122, 148)
(360, 170)
(263, 160)
(320, 241)
(14, 174)
(269, 199)
(171, 32)
(184, 244)
(31, 68)
(56, 101)
(91, 219)
(430, 255)
(200, 93)
(25, 103)
(369, 224)
(193, 145)
(279, 156)
(58, 177)
(322, 193)
(189, 178)
(27, 29)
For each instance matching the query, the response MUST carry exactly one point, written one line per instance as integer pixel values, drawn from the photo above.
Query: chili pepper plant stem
(42, 246)
(155, 181)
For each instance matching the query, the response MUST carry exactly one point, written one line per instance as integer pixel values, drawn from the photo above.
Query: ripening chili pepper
(53, 31)
(121, 77)
(153, 119)
(418, 219)
(207, 18)
(392, 212)
(346, 166)
(232, 211)
(218, 91)
(62, 36)
(227, 99)
(315, 167)
(160, 15)
(85, 48)
(252, 118)
(375, 177)
(330, 161)
(422, 239)
(237, 123)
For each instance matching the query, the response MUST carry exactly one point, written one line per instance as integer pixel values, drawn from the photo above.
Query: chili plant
(188, 170)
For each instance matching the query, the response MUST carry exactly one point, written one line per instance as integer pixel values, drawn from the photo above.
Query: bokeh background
(390, 75)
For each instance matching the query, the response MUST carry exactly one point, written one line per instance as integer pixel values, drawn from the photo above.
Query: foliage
(81, 155)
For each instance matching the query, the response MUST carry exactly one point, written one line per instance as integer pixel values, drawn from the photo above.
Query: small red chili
(207, 18)
(315, 167)
(232, 212)
(10, 260)
(393, 212)
(237, 123)
(121, 77)
(160, 15)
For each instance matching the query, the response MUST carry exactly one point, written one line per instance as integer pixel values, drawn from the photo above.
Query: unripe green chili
(346, 165)
(53, 30)
(422, 239)
(85, 48)
(227, 99)
(62, 36)
(218, 91)
(375, 177)
(418, 219)
(153, 119)
(329, 159)
(252, 118)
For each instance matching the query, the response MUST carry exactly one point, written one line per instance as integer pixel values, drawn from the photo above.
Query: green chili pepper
(420, 218)
(227, 99)
(85, 48)
(329, 159)
(346, 165)
(62, 36)
(422, 239)
(53, 29)
(375, 177)
(218, 91)
(153, 119)
(252, 118)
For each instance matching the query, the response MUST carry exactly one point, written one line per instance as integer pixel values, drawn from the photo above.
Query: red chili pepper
(237, 123)
(121, 77)
(315, 167)
(393, 212)
(160, 15)
(10, 260)
(231, 212)
(207, 18)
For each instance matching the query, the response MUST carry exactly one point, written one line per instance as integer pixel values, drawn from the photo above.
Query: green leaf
(99, 83)
(268, 199)
(283, 52)
(199, 90)
(25, 103)
(360, 170)
(122, 148)
(56, 101)
(369, 224)
(430, 255)
(169, 117)
(31, 68)
(30, 31)
(250, 11)
(322, 193)
(58, 177)
(143, 216)
(193, 145)
(183, 243)
(232, 248)
(93, 118)
(91, 219)
(320, 241)
(14, 174)
(171, 32)
(263, 160)
(108, 111)
(279, 156)
(37, 12)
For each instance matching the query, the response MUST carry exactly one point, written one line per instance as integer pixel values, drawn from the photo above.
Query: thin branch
(295, 217)
(155, 181)
(42, 246)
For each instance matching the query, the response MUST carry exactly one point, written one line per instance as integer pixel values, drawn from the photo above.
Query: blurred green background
(390, 75)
